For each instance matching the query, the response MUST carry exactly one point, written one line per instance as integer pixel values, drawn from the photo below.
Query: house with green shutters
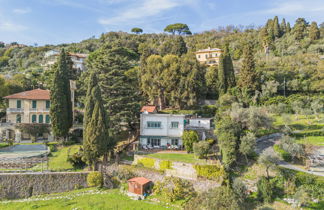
(26, 107)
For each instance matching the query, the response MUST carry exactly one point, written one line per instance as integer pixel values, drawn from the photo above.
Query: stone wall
(28, 184)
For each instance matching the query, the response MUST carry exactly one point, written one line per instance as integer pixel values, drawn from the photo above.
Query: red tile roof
(140, 180)
(37, 94)
(149, 109)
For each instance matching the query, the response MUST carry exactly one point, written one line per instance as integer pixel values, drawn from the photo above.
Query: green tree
(173, 45)
(269, 159)
(137, 30)
(219, 198)
(283, 26)
(247, 144)
(180, 28)
(121, 98)
(212, 83)
(201, 149)
(189, 138)
(276, 28)
(96, 140)
(264, 192)
(314, 32)
(300, 28)
(288, 27)
(248, 77)
(61, 104)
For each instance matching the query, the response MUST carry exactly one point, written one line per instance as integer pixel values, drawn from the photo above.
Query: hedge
(146, 162)
(165, 164)
(210, 171)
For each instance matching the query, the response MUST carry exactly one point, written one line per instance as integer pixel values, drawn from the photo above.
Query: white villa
(165, 130)
(78, 59)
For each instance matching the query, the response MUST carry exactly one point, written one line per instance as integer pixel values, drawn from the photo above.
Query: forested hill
(294, 52)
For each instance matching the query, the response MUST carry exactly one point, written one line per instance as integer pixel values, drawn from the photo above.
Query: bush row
(210, 171)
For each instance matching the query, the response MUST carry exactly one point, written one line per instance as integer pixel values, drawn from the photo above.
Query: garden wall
(24, 185)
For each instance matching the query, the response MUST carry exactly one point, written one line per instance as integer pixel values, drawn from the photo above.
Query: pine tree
(276, 27)
(61, 104)
(283, 27)
(314, 32)
(248, 77)
(96, 139)
(121, 99)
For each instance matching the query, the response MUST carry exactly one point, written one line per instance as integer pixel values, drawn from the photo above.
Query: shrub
(76, 160)
(165, 164)
(146, 162)
(210, 171)
(172, 189)
(283, 154)
(52, 147)
(95, 179)
(188, 138)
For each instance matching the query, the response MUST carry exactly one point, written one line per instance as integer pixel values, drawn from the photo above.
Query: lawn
(58, 159)
(178, 157)
(2, 145)
(90, 198)
(306, 129)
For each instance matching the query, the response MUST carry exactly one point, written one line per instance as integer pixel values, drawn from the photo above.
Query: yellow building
(25, 108)
(209, 56)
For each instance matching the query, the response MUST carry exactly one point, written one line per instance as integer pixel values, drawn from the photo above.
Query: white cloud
(10, 26)
(296, 7)
(21, 10)
(145, 9)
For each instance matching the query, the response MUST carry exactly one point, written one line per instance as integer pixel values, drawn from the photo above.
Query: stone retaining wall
(24, 185)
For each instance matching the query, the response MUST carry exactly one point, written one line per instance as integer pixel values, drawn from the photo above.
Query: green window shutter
(34, 104)
(34, 118)
(18, 104)
(47, 119)
(48, 104)
(40, 119)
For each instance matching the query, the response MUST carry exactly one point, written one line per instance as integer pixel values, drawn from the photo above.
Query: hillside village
(231, 118)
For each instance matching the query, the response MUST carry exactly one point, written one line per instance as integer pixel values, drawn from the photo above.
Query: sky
(65, 21)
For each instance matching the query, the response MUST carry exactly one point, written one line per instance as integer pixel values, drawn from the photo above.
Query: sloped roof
(208, 50)
(149, 109)
(37, 94)
(139, 180)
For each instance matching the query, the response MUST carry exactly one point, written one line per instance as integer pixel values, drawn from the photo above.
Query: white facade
(159, 130)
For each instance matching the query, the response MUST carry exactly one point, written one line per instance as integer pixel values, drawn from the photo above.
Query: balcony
(15, 110)
(39, 110)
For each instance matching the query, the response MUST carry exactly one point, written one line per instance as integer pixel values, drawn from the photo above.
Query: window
(34, 104)
(151, 124)
(47, 119)
(18, 104)
(206, 56)
(48, 104)
(174, 124)
(40, 119)
(174, 141)
(34, 118)
(154, 142)
(18, 118)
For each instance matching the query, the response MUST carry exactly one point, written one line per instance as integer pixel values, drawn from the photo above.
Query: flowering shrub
(95, 179)
(146, 162)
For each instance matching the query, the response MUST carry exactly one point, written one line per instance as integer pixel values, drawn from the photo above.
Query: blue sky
(65, 21)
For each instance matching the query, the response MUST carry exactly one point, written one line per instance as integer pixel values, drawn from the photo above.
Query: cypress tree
(96, 140)
(248, 78)
(314, 32)
(61, 104)
(288, 28)
(276, 27)
(211, 78)
(283, 27)
(269, 27)
(230, 76)
(222, 74)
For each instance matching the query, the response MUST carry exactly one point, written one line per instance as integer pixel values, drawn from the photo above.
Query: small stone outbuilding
(139, 185)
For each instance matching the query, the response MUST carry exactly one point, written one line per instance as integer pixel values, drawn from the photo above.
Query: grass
(178, 157)
(82, 199)
(306, 129)
(2, 145)
(58, 160)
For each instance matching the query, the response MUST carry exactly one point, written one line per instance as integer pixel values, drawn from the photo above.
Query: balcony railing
(17, 110)
(39, 110)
